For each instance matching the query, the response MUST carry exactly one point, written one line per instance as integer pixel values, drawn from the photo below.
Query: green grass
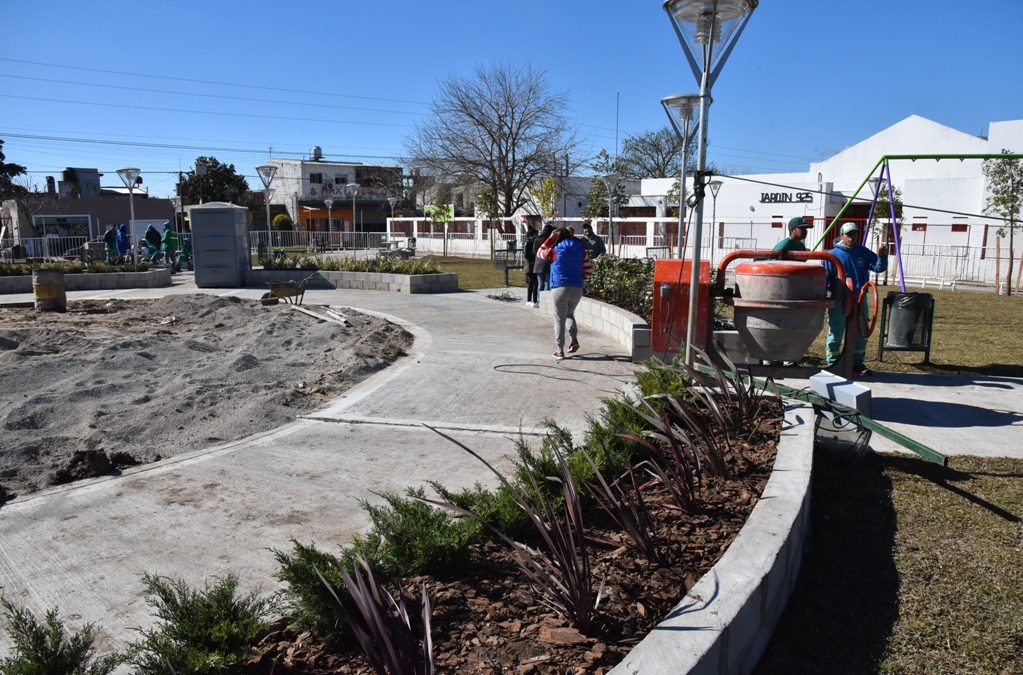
(476, 273)
(911, 568)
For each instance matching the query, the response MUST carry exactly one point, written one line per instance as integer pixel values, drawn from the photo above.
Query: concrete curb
(625, 328)
(445, 282)
(87, 281)
(725, 621)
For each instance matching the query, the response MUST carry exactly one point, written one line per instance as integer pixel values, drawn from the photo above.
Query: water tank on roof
(316, 153)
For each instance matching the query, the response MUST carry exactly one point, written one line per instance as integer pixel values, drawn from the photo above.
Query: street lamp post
(684, 105)
(266, 174)
(354, 189)
(391, 201)
(610, 182)
(130, 176)
(710, 28)
(329, 203)
(715, 187)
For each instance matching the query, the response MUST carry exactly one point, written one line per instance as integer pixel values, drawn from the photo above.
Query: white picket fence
(47, 248)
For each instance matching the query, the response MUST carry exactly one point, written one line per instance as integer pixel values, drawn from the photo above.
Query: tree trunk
(1019, 273)
(998, 262)
(1012, 250)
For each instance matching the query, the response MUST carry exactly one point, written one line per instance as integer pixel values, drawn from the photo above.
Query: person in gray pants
(566, 285)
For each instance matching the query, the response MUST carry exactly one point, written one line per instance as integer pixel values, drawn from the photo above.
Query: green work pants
(836, 334)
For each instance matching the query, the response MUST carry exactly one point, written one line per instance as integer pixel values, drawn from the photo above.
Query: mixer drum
(781, 308)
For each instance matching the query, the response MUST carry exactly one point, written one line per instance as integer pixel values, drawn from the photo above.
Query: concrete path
(480, 369)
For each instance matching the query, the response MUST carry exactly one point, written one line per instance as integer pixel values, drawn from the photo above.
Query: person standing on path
(170, 246)
(797, 235)
(594, 244)
(123, 240)
(566, 288)
(110, 240)
(529, 258)
(542, 266)
(858, 261)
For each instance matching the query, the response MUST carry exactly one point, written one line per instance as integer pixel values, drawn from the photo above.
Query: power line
(204, 112)
(213, 82)
(220, 96)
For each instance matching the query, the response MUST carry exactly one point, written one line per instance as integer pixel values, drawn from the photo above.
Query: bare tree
(654, 154)
(502, 127)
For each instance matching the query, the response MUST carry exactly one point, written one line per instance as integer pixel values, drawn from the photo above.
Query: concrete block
(840, 390)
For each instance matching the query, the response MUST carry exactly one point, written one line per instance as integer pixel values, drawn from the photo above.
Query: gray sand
(154, 378)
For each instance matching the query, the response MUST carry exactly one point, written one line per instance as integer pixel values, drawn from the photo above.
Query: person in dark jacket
(529, 247)
(594, 245)
(110, 240)
(566, 284)
(541, 267)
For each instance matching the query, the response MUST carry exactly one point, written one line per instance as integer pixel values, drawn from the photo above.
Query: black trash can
(904, 323)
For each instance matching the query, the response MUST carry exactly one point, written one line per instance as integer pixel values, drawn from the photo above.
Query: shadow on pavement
(940, 413)
(846, 601)
(1001, 381)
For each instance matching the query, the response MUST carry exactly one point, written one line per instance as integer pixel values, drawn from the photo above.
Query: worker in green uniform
(797, 233)
(170, 247)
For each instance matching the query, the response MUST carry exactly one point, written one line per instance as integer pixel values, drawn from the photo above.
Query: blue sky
(806, 80)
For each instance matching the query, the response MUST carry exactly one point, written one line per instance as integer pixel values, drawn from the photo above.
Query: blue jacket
(567, 267)
(858, 262)
(123, 240)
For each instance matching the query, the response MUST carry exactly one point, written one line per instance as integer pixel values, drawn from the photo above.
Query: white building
(943, 200)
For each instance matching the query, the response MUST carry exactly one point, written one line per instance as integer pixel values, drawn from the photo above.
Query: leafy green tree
(596, 200)
(211, 181)
(282, 221)
(487, 203)
(8, 172)
(1005, 199)
(547, 193)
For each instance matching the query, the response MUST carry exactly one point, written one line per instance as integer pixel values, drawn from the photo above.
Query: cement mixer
(779, 298)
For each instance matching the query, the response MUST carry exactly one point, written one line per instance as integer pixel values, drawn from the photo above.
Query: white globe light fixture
(707, 30)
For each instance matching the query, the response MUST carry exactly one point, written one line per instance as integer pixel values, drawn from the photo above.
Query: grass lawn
(911, 568)
(475, 273)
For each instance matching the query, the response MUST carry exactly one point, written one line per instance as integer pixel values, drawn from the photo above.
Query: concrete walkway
(480, 369)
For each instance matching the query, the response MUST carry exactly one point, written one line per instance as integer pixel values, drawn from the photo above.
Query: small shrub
(419, 539)
(201, 631)
(311, 603)
(45, 648)
(495, 508)
(625, 283)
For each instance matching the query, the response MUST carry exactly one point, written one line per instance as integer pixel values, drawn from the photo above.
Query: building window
(919, 227)
(960, 227)
(316, 178)
(776, 222)
(339, 179)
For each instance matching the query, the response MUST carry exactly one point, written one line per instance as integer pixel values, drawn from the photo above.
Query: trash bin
(904, 323)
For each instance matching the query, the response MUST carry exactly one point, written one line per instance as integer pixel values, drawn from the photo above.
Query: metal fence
(46, 248)
(317, 242)
(971, 264)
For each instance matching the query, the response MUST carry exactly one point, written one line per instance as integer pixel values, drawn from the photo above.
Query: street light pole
(129, 176)
(610, 183)
(715, 186)
(684, 105)
(266, 175)
(713, 27)
(354, 189)
(329, 203)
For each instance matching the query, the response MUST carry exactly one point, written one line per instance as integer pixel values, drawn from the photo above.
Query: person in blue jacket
(566, 284)
(859, 262)
(123, 240)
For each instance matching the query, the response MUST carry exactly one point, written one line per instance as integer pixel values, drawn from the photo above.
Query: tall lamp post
(610, 183)
(683, 105)
(130, 176)
(329, 203)
(266, 174)
(391, 201)
(715, 187)
(354, 189)
(708, 29)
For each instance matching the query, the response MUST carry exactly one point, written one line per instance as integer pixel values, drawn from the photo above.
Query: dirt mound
(159, 377)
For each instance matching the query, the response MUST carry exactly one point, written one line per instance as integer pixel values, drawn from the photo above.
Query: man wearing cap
(797, 233)
(859, 262)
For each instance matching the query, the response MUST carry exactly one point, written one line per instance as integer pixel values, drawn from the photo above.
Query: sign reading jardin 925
(786, 197)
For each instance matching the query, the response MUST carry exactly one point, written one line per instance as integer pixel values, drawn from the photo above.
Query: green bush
(282, 261)
(420, 539)
(628, 284)
(201, 631)
(495, 507)
(69, 267)
(44, 648)
(310, 602)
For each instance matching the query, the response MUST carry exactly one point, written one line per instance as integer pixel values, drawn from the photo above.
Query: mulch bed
(492, 622)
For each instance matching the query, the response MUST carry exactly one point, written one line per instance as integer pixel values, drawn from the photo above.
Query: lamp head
(129, 175)
(715, 185)
(710, 20)
(329, 203)
(266, 173)
(682, 104)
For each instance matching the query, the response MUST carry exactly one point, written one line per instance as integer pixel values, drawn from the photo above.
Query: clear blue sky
(806, 80)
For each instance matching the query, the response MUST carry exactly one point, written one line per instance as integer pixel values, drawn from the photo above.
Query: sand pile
(141, 380)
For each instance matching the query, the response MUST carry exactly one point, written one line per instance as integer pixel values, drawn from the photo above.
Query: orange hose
(873, 319)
